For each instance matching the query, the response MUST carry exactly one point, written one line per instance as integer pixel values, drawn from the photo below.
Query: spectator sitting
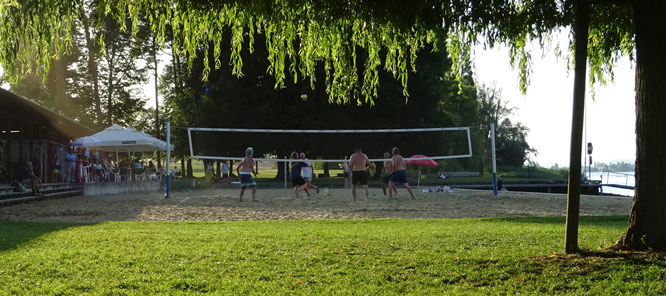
(27, 176)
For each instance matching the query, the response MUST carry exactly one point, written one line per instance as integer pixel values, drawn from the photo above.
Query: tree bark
(60, 85)
(189, 168)
(647, 222)
(327, 173)
(573, 190)
(92, 68)
(110, 57)
(157, 102)
(280, 171)
(182, 166)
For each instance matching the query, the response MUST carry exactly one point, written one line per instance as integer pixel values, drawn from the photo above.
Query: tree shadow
(583, 220)
(605, 256)
(15, 234)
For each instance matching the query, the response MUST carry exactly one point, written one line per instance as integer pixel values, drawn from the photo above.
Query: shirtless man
(359, 165)
(399, 173)
(387, 172)
(244, 169)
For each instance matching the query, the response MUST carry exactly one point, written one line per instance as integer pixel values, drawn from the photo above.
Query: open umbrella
(420, 160)
(86, 141)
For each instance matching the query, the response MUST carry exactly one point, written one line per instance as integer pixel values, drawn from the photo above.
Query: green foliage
(433, 256)
(311, 32)
(534, 173)
(252, 102)
(511, 145)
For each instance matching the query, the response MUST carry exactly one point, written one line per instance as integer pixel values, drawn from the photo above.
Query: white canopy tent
(122, 139)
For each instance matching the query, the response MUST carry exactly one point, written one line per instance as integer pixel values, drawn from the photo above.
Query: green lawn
(369, 257)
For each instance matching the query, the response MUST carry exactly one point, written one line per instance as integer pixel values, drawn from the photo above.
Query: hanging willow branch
(300, 34)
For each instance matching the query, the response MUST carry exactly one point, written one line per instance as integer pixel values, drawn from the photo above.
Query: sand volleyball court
(280, 204)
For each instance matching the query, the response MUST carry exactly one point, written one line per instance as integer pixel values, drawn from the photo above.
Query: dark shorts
(297, 181)
(225, 175)
(247, 181)
(359, 177)
(387, 179)
(399, 177)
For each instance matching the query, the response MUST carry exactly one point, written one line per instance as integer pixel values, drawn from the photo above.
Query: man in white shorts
(307, 173)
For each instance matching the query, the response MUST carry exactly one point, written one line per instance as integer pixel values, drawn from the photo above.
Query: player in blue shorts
(244, 169)
(399, 173)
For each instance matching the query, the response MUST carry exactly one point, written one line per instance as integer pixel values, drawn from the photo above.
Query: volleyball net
(275, 145)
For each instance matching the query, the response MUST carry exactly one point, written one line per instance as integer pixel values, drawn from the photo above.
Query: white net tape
(360, 131)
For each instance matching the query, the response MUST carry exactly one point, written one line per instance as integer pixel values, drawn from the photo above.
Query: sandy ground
(280, 204)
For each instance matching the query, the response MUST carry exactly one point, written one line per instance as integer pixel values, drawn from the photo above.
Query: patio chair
(87, 177)
(140, 174)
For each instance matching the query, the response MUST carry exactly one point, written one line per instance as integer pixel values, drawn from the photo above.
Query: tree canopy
(301, 33)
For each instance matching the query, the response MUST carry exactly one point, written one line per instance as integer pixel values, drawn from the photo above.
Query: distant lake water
(621, 178)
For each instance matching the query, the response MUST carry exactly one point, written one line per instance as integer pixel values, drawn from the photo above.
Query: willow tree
(304, 34)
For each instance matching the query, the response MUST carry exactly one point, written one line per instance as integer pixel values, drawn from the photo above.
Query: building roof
(28, 110)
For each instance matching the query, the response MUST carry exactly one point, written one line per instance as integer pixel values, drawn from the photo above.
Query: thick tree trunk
(182, 166)
(157, 102)
(60, 85)
(327, 173)
(92, 68)
(109, 87)
(573, 190)
(189, 168)
(280, 171)
(647, 223)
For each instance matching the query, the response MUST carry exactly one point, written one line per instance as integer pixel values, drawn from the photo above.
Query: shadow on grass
(605, 257)
(583, 220)
(15, 234)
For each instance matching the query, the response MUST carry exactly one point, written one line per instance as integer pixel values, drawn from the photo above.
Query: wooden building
(31, 132)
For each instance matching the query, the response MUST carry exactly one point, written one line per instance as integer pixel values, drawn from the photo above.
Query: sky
(547, 106)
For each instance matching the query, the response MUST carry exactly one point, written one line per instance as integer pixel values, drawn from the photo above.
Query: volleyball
(304, 97)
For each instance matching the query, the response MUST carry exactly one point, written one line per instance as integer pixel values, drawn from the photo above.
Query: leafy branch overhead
(353, 40)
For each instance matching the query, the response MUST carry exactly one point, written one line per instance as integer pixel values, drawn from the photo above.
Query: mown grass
(339, 257)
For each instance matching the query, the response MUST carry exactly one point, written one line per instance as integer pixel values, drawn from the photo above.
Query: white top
(307, 171)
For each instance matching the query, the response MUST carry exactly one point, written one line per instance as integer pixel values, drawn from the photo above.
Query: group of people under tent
(72, 164)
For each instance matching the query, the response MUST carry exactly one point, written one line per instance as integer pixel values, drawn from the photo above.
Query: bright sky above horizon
(546, 108)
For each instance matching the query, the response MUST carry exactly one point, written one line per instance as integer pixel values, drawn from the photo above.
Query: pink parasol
(420, 160)
(424, 161)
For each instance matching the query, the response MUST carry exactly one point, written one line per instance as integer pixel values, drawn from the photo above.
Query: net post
(285, 172)
(469, 141)
(167, 186)
(189, 137)
(492, 148)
